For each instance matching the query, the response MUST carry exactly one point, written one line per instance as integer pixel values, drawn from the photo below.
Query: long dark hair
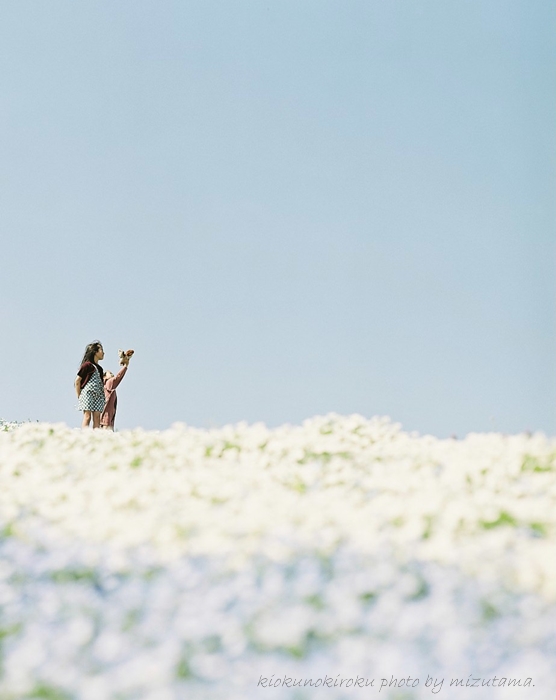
(90, 351)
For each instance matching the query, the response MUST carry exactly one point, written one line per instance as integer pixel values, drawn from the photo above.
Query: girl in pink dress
(111, 381)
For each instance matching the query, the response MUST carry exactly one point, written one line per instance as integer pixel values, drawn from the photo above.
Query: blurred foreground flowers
(189, 563)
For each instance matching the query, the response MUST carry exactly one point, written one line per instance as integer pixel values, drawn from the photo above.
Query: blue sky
(286, 208)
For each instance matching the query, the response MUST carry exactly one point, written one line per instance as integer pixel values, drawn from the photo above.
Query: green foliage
(7, 631)
(539, 529)
(315, 601)
(428, 527)
(131, 619)
(534, 464)
(423, 590)
(74, 575)
(183, 669)
(489, 611)
(7, 531)
(368, 597)
(503, 519)
(48, 692)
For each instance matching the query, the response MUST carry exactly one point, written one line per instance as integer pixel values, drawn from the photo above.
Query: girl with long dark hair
(89, 385)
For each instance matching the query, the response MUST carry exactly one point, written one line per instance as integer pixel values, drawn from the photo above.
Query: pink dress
(109, 414)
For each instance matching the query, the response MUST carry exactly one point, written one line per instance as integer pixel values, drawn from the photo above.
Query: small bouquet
(125, 356)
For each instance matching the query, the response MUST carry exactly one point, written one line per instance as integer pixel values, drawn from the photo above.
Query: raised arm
(113, 382)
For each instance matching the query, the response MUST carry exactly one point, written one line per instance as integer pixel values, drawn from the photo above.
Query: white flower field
(339, 559)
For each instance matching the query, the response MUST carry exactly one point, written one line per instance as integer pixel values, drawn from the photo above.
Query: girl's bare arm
(78, 386)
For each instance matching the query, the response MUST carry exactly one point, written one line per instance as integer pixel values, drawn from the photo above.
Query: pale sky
(286, 208)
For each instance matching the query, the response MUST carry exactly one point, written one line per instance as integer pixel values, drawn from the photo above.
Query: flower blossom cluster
(189, 563)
